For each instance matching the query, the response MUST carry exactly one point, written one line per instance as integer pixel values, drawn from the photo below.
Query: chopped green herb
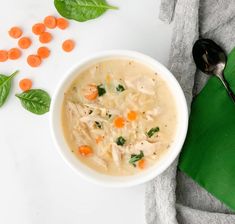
(120, 88)
(152, 131)
(120, 140)
(101, 90)
(136, 157)
(98, 124)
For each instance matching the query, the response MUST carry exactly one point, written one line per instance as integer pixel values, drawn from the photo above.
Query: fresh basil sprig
(36, 101)
(5, 86)
(82, 10)
(135, 158)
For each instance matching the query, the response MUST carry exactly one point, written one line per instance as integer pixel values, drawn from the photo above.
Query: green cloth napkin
(208, 154)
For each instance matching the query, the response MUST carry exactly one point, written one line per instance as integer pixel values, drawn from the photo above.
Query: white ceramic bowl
(112, 181)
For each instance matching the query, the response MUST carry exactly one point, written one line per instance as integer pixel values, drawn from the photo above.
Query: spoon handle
(226, 85)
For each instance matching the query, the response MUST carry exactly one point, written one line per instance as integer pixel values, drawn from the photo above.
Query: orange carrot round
(25, 84)
(119, 122)
(38, 28)
(91, 92)
(50, 22)
(132, 115)
(43, 52)
(15, 32)
(45, 37)
(24, 42)
(68, 45)
(34, 60)
(14, 53)
(62, 23)
(85, 150)
(3, 55)
(141, 164)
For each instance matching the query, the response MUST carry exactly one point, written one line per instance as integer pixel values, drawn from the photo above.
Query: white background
(36, 186)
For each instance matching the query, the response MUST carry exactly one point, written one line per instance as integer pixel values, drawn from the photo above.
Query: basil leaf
(101, 90)
(120, 140)
(82, 10)
(152, 131)
(36, 101)
(5, 86)
(136, 157)
(120, 88)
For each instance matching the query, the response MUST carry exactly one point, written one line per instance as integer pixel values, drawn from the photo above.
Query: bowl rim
(116, 181)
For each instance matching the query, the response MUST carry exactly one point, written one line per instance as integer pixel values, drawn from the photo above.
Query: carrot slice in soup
(25, 84)
(85, 150)
(45, 37)
(132, 115)
(34, 60)
(3, 55)
(14, 53)
(24, 42)
(62, 23)
(92, 92)
(38, 28)
(141, 164)
(50, 22)
(43, 52)
(119, 122)
(15, 32)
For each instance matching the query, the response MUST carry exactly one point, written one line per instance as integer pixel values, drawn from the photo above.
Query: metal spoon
(211, 59)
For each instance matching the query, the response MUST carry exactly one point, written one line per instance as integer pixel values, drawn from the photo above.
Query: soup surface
(119, 117)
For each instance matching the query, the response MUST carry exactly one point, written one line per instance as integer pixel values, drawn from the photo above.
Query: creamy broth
(119, 117)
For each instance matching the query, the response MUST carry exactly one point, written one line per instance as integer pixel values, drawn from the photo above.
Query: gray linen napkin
(172, 197)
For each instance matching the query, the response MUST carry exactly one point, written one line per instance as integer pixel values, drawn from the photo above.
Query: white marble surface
(36, 186)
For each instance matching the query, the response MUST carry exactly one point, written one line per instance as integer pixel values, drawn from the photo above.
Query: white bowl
(113, 181)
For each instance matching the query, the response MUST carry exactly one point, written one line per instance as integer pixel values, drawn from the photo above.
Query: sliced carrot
(99, 139)
(24, 42)
(50, 22)
(85, 150)
(132, 115)
(119, 122)
(43, 52)
(34, 60)
(15, 32)
(45, 37)
(3, 55)
(38, 28)
(25, 84)
(92, 92)
(68, 45)
(14, 53)
(141, 164)
(62, 23)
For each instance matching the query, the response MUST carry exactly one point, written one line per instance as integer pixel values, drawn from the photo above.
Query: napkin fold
(172, 197)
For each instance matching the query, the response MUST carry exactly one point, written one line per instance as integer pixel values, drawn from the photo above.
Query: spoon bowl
(211, 59)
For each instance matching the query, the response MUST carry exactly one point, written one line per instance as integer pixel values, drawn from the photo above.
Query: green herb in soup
(135, 158)
(152, 131)
(120, 141)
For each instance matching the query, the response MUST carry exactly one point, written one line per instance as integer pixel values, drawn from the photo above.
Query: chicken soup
(119, 117)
